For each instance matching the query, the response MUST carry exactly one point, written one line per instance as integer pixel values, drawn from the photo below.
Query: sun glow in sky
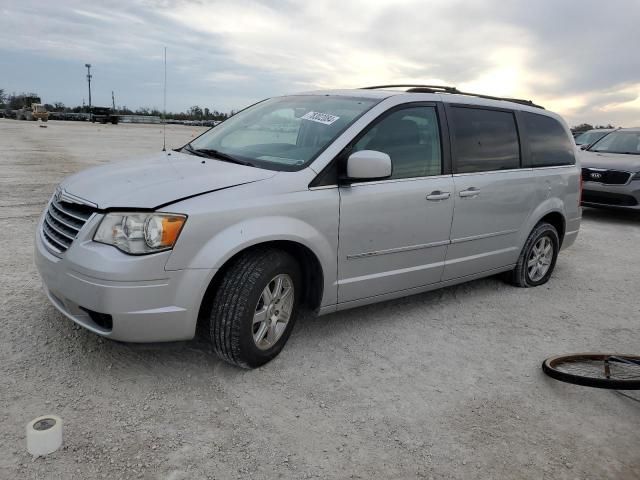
(577, 58)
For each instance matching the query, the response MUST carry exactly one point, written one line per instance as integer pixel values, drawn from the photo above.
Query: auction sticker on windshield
(325, 118)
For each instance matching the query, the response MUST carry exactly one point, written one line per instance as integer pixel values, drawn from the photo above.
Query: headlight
(138, 233)
(636, 176)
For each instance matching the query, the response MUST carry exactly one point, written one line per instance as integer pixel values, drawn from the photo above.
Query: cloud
(577, 59)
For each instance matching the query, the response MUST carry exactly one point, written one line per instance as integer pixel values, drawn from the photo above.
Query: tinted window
(484, 140)
(411, 137)
(549, 144)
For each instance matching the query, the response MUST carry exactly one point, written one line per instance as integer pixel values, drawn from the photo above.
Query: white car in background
(591, 136)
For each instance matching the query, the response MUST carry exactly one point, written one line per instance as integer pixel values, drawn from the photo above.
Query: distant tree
(583, 127)
(16, 102)
(58, 107)
(196, 111)
(3, 97)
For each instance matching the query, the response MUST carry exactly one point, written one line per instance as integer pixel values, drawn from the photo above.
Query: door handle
(470, 192)
(438, 195)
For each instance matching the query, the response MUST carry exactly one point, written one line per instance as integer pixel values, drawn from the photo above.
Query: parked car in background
(331, 200)
(611, 171)
(590, 136)
(104, 115)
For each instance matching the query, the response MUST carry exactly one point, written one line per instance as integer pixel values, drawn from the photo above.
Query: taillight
(580, 194)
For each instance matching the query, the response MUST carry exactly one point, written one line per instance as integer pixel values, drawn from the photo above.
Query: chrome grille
(62, 222)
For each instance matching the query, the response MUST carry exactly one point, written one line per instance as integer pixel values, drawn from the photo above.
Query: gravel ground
(445, 384)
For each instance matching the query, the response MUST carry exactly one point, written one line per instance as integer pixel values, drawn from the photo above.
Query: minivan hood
(157, 180)
(612, 161)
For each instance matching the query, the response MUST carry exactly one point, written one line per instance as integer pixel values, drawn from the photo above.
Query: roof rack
(414, 88)
(422, 88)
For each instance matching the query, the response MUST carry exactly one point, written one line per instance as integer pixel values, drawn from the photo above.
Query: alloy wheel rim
(540, 258)
(273, 311)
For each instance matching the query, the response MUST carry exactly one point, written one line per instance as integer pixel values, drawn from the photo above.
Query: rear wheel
(255, 306)
(537, 259)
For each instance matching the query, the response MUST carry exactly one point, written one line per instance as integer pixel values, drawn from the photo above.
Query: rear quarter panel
(558, 190)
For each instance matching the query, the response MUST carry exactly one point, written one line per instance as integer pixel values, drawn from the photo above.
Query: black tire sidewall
(542, 230)
(251, 354)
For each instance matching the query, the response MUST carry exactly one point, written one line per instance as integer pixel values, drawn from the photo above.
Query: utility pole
(88, 65)
(113, 102)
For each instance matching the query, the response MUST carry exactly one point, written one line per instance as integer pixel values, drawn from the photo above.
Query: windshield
(619, 142)
(283, 133)
(587, 138)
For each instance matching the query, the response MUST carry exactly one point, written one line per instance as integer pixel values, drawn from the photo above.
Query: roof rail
(413, 88)
(423, 88)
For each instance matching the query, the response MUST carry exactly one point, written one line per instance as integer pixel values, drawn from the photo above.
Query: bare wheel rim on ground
(540, 258)
(600, 370)
(273, 311)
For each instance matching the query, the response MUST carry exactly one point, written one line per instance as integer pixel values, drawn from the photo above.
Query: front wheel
(538, 257)
(255, 306)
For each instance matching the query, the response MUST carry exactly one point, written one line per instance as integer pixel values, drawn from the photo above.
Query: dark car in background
(104, 115)
(611, 171)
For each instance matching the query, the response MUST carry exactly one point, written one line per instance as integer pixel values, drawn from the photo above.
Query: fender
(250, 232)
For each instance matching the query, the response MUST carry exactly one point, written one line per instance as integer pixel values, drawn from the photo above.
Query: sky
(578, 58)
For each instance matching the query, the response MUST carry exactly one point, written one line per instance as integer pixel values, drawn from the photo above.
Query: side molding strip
(398, 249)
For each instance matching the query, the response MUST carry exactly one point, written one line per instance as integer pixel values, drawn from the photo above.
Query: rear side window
(549, 144)
(484, 140)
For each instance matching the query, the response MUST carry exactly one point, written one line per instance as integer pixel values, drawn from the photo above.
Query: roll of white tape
(44, 435)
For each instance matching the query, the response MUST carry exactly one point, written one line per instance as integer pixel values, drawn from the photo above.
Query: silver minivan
(325, 200)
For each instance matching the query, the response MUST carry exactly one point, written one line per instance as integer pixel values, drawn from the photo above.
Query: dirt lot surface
(440, 385)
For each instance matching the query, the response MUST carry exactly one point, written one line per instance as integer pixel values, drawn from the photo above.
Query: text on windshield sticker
(324, 118)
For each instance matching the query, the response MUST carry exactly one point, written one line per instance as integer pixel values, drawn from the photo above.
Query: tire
(588, 369)
(522, 275)
(240, 297)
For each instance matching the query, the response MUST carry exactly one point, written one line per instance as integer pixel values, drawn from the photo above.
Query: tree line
(15, 101)
(583, 127)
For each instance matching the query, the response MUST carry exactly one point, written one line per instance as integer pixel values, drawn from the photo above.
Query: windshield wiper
(212, 153)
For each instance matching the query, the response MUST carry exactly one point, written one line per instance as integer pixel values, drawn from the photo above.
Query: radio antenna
(164, 105)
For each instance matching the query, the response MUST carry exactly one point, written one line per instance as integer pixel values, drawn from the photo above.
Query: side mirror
(368, 165)
(584, 146)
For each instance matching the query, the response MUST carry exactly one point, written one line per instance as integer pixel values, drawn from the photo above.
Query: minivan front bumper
(123, 297)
